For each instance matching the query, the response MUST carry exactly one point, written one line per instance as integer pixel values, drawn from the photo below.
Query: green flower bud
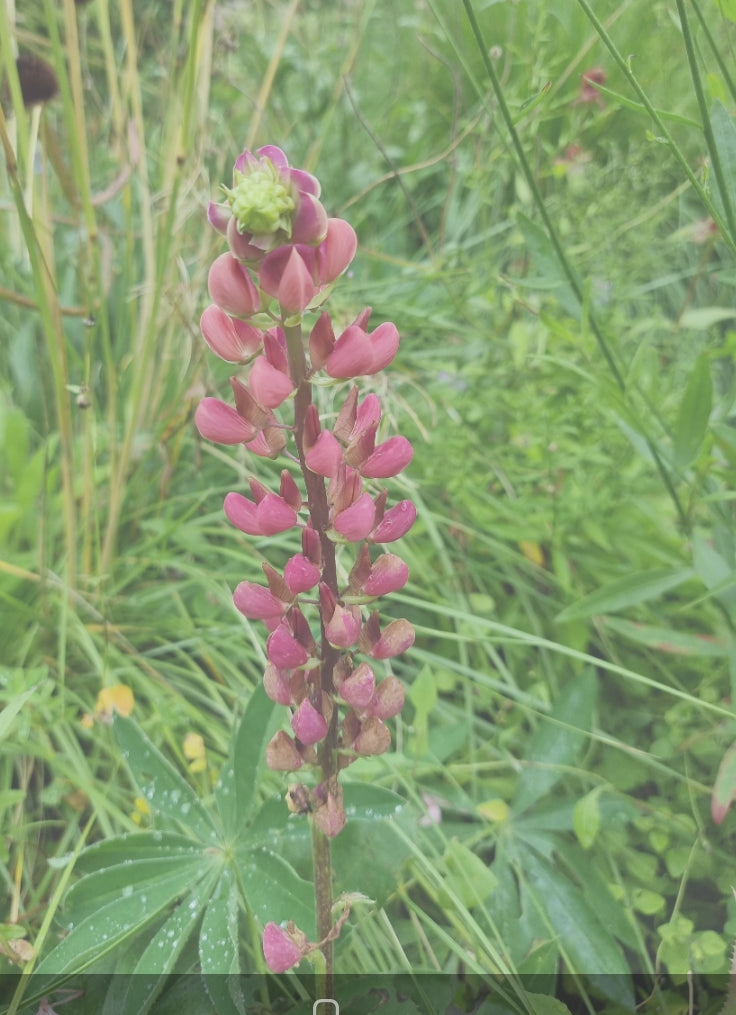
(261, 203)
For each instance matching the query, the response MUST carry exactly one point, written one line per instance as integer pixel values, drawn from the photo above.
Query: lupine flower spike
(323, 644)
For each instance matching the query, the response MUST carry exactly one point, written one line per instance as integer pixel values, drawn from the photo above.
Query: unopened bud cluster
(324, 640)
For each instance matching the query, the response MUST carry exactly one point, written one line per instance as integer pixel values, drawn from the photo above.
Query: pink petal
(282, 754)
(231, 287)
(385, 343)
(285, 276)
(388, 459)
(309, 224)
(388, 574)
(241, 513)
(388, 700)
(397, 638)
(274, 155)
(305, 182)
(367, 416)
(308, 724)
(351, 356)
(257, 603)
(356, 521)
(325, 456)
(269, 385)
(336, 251)
(395, 523)
(343, 628)
(218, 216)
(374, 737)
(276, 685)
(279, 950)
(358, 689)
(219, 422)
(300, 574)
(230, 339)
(275, 515)
(284, 650)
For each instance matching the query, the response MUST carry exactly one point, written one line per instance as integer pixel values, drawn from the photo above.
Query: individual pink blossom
(266, 518)
(388, 459)
(342, 624)
(357, 353)
(388, 699)
(396, 638)
(356, 521)
(268, 384)
(325, 455)
(394, 523)
(358, 688)
(276, 684)
(282, 754)
(219, 422)
(279, 949)
(308, 724)
(284, 650)
(285, 275)
(389, 573)
(330, 816)
(258, 603)
(229, 338)
(373, 738)
(231, 287)
(269, 204)
(300, 574)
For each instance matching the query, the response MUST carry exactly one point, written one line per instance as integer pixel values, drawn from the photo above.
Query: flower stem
(320, 519)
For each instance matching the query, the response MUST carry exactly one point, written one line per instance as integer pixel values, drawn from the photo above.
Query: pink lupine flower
(374, 737)
(336, 251)
(282, 754)
(325, 455)
(276, 684)
(300, 574)
(394, 523)
(285, 275)
(388, 699)
(269, 204)
(321, 341)
(388, 459)
(258, 603)
(388, 574)
(284, 650)
(357, 353)
(219, 422)
(342, 624)
(231, 287)
(396, 638)
(271, 515)
(358, 688)
(268, 384)
(356, 521)
(308, 724)
(329, 816)
(229, 338)
(279, 949)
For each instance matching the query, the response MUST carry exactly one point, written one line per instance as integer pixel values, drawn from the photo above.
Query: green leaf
(468, 877)
(665, 639)
(628, 591)
(550, 274)
(219, 949)
(134, 846)
(557, 741)
(160, 783)
(724, 788)
(692, 419)
(158, 960)
(249, 751)
(728, 9)
(105, 885)
(724, 136)
(111, 924)
(586, 945)
(12, 708)
(545, 1004)
(586, 819)
(273, 889)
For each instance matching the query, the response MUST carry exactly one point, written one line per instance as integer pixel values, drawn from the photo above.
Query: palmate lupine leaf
(167, 793)
(219, 948)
